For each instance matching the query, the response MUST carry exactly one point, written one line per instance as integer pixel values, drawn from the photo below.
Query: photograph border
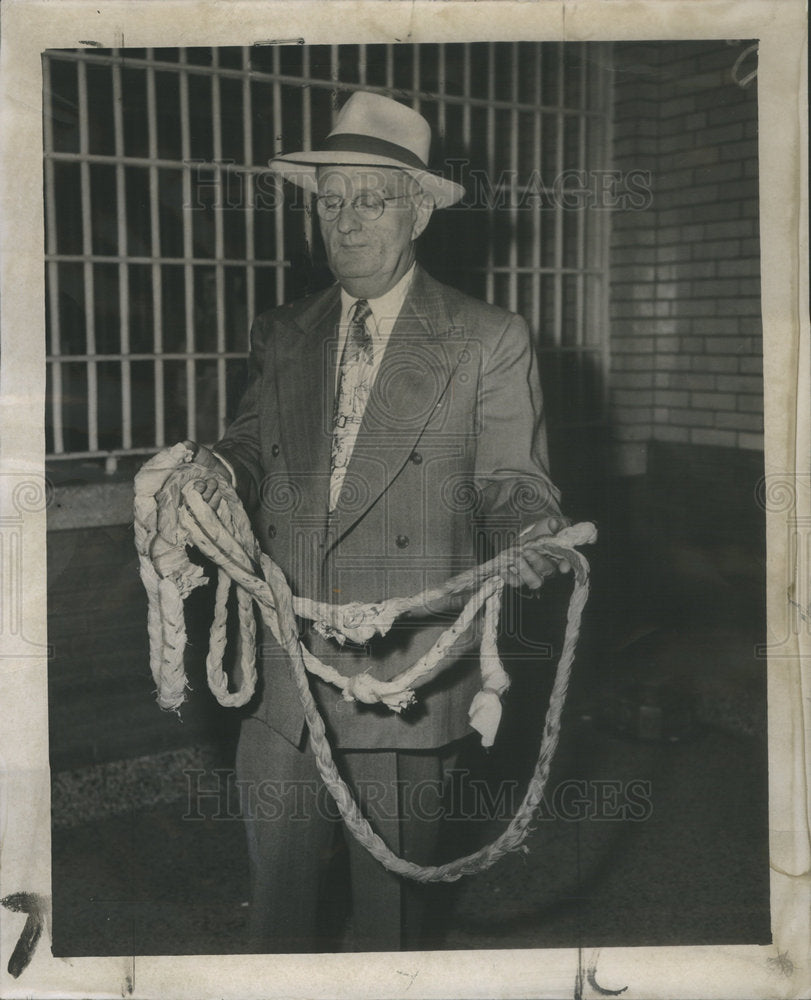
(778, 970)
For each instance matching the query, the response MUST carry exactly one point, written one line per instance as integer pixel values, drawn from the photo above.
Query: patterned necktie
(354, 384)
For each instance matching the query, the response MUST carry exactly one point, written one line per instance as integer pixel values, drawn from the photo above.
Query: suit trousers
(292, 821)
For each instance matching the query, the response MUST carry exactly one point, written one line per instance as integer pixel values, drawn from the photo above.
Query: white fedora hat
(373, 130)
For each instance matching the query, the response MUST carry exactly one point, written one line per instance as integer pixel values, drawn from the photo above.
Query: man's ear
(423, 208)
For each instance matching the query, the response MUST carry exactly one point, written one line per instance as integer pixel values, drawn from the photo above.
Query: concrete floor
(693, 870)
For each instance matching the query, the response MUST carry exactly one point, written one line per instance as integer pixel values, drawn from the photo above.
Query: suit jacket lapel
(305, 385)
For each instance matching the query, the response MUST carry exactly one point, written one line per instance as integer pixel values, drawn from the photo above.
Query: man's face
(368, 257)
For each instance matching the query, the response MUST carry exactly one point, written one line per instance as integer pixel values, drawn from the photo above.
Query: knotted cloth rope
(170, 514)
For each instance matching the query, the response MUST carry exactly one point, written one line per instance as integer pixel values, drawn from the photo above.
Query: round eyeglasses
(367, 206)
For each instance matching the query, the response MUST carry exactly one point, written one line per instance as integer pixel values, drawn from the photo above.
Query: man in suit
(392, 435)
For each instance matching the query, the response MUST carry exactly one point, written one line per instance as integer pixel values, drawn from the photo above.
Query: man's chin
(355, 263)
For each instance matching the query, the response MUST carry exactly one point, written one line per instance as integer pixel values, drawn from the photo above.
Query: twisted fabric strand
(170, 514)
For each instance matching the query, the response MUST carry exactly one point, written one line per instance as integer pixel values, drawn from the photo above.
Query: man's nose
(348, 218)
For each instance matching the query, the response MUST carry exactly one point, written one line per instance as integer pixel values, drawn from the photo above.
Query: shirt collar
(386, 308)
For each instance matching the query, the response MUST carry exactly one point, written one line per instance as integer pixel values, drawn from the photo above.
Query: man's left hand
(530, 568)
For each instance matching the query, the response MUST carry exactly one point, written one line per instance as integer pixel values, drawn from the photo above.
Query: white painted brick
(696, 381)
(752, 442)
(740, 421)
(726, 345)
(672, 397)
(663, 432)
(701, 435)
(716, 363)
(713, 400)
(691, 418)
(740, 383)
(751, 365)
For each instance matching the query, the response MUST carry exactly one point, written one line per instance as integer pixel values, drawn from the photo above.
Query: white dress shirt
(385, 311)
(379, 325)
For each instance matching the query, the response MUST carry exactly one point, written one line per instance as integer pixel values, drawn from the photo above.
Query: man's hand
(208, 485)
(530, 568)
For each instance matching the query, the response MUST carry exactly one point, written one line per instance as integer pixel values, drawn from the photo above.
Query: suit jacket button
(416, 458)
(271, 531)
(401, 541)
(274, 450)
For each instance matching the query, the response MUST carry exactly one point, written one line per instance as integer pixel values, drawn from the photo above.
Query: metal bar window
(185, 287)
(326, 83)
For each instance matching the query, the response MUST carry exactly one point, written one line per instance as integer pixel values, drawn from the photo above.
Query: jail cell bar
(588, 108)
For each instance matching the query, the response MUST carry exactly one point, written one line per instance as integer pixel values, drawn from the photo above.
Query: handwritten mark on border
(37, 908)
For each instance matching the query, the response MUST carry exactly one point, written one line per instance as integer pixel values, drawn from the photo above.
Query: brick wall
(685, 307)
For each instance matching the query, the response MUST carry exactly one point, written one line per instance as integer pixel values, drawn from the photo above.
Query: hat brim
(300, 169)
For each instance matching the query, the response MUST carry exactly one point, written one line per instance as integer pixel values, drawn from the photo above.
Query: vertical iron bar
(441, 105)
(155, 236)
(247, 139)
(278, 129)
(87, 249)
(53, 266)
(512, 294)
(536, 203)
(123, 267)
(581, 215)
(188, 248)
(606, 119)
(307, 132)
(334, 75)
(466, 95)
(155, 248)
(362, 65)
(558, 207)
(491, 164)
(219, 237)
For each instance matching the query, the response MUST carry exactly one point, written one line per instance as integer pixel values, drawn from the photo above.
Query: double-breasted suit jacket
(450, 461)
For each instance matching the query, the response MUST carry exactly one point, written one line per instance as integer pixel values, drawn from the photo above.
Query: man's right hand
(530, 568)
(208, 486)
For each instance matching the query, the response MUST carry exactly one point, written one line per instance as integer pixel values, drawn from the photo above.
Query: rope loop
(171, 516)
